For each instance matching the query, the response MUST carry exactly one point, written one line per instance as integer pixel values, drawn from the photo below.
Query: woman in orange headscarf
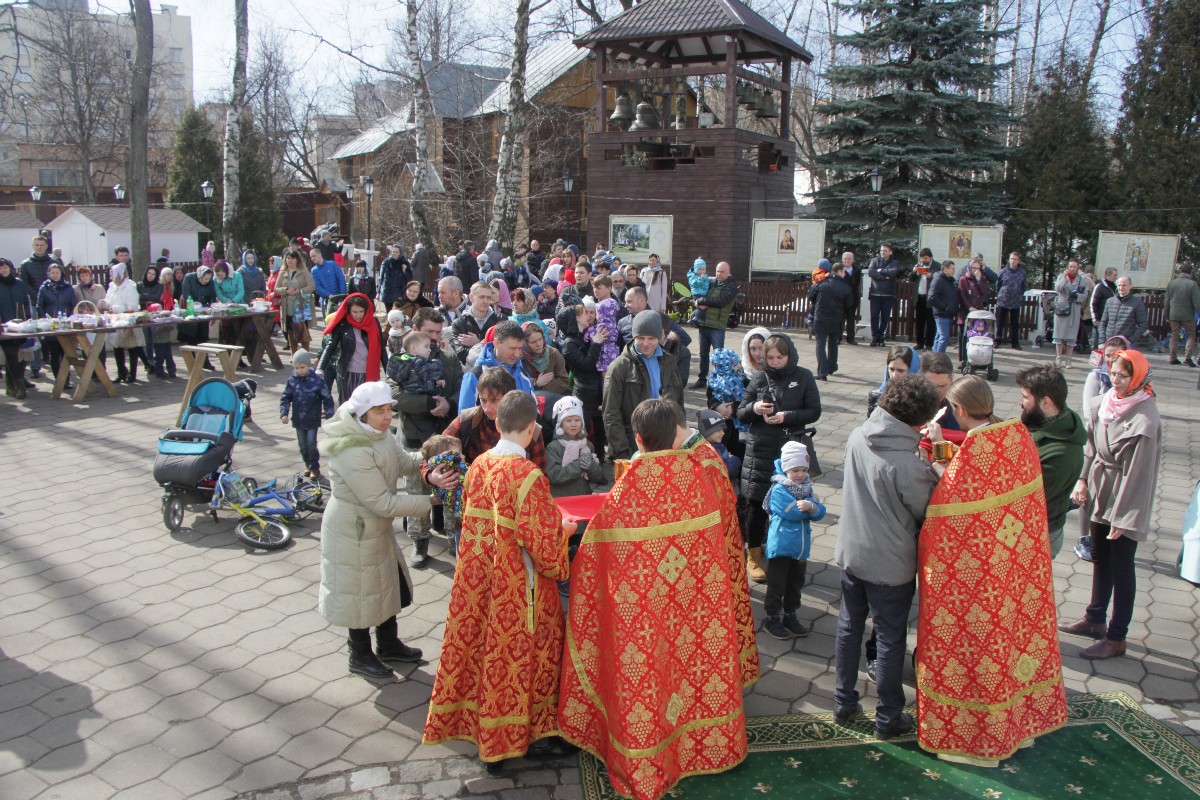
(1116, 491)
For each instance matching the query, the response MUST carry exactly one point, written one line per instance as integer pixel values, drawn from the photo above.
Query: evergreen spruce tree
(1157, 138)
(909, 102)
(1059, 174)
(195, 158)
(258, 223)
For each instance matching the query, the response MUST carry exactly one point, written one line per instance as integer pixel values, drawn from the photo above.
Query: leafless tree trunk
(139, 132)
(1066, 28)
(422, 113)
(233, 125)
(1101, 29)
(1031, 77)
(512, 142)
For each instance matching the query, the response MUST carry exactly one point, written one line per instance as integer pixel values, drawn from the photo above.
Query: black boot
(364, 662)
(122, 371)
(420, 556)
(389, 647)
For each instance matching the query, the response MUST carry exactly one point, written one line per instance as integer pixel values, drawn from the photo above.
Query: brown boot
(754, 566)
(1105, 648)
(1085, 627)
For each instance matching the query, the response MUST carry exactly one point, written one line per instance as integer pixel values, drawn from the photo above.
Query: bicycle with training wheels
(264, 510)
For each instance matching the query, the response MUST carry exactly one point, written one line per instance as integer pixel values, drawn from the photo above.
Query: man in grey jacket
(1124, 314)
(887, 488)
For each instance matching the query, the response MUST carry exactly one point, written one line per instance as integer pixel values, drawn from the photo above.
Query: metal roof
(118, 219)
(545, 65)
(375, 137)
(19, 219)
(700, 24)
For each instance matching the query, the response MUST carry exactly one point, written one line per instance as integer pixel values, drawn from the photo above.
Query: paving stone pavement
(139, 664)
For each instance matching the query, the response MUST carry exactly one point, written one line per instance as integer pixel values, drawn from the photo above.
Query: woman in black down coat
(582, 357)
(779, 403)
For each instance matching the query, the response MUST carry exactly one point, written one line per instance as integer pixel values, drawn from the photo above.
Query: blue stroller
(190, 457)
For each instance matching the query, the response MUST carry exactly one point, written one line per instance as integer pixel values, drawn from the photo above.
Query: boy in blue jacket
(793, 507)
(305, 394)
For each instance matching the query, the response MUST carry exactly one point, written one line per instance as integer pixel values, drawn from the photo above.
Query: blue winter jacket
(303, 398)
(790, 534)
(55, 298)
(487, 359)
(1012, 288)
(328, 279)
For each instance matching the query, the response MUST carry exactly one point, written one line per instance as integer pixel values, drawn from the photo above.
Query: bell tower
(692, 107)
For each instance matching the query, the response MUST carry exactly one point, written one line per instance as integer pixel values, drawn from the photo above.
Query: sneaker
(843, 714)
(794, 626)
(901, 725)
(1187, 362)
(871, 669)
(1084, 548)
(774, 626)
(1174, 362)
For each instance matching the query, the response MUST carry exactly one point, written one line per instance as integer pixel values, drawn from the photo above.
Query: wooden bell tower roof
(662, 33)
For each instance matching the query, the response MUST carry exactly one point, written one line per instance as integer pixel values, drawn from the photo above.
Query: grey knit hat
(648, 323)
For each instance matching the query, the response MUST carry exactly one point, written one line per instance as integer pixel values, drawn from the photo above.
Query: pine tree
(1157, 138)
(258, 224)
(196, 158)
(1059, 174)
(910, 103)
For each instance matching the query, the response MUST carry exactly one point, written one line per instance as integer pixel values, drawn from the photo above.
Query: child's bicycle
(260, 525)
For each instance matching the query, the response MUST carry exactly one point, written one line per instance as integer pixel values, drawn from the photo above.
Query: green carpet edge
(1154, 739)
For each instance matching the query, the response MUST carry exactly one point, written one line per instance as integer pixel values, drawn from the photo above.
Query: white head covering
(747, 367)
(567, 406)
(794, 455)
(368, 396)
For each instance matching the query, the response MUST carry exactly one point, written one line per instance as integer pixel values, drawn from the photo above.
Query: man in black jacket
(33, 272)
(466, 268)
(328, 246)
(943, 302)
(830, 300)
(1104, 290)
(883, 272)
(854, 281)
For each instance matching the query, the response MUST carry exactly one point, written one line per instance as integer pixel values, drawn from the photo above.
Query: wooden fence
(783, 304)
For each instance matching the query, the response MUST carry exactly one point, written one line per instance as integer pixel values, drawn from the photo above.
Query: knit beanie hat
(648, 323)
(395, 316)
(824, 264)
(709, 422)
(567, 406)
(794, 455)
(302, 357)
(699, 264)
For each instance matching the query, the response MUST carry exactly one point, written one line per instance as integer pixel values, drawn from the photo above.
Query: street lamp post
(36, 193)
(369, 188)
(876, 187)
(350, 204)
(119, 193)
(207, 189)
(568, 181)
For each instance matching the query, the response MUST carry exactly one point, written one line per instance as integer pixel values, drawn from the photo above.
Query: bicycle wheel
(172, 511)
(264, 534)
(310, 497)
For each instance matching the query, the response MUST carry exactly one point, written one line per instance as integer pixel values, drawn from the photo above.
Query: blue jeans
(307, 439)
(942, 340)
(709, 338)
(889, 607)
(827, 351)
(881, 315)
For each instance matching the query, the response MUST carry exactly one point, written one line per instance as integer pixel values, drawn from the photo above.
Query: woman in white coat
(364, 582)
(122, 297)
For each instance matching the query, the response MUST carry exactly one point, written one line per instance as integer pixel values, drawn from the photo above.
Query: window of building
(60, 177)
(175, 81)
(175, 54)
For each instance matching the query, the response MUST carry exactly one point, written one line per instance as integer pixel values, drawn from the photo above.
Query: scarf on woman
(368, 326)
(725, 381)
(1114, 405)
(540, 363)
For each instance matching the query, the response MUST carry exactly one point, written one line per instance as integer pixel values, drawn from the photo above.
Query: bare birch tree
(422, 114)
(233, 126)
(139, 133)
(512, 141)
(1089, 66)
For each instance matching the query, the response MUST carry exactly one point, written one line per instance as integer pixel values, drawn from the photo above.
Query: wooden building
(713, 165)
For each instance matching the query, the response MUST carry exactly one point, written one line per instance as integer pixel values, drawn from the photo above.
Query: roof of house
(544, 65)
(162, 220)
(456, 90)
(19, 219)
(655, 24)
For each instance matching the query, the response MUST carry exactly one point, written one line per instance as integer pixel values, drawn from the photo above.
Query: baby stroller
(190, 457)
(981, 341)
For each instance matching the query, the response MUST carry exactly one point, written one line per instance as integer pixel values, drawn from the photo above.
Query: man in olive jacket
(643, 370)
(1183, 304)
(1060, 436)
(717, 305)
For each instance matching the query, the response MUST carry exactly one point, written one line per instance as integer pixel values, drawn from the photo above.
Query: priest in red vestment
(989, 669)
(497, 681)
(660, 638)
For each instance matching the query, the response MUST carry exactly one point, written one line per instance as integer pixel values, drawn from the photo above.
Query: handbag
(814, 466)
(1062, 308)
